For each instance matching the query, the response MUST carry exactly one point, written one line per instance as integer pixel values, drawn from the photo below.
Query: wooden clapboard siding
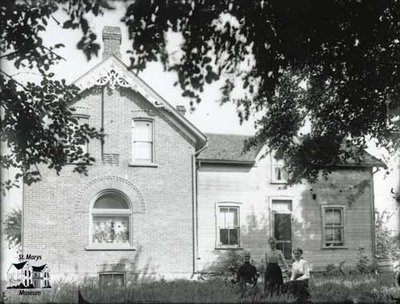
(251, 187)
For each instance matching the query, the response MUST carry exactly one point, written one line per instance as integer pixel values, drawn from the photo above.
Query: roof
(38, 268)
(228, 148)
(19, 265)
(366, 160)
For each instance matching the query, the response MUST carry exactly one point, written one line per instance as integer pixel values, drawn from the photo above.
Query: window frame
(343, 226)
(113, 273)
(142, 163)
(110, 212)
(276, 163)
(219, 205)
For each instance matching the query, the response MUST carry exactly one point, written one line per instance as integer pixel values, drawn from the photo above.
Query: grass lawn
(339, 289)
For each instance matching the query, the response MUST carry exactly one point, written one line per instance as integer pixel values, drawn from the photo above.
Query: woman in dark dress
(273, 280)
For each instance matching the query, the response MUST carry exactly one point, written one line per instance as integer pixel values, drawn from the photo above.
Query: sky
(209, 116)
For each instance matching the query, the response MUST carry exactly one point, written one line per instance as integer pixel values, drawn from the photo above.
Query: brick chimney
(112, 41)
(181, 110)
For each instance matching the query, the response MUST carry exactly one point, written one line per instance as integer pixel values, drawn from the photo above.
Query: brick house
(165, 200)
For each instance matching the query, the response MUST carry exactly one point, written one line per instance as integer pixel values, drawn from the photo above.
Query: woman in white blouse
(300, 275)
(300, 267)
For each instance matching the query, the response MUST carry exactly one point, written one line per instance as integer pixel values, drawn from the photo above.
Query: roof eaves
(365, 165)
(227, 161)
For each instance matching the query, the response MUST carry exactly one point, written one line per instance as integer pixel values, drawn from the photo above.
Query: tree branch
(20, 84)
(58, 22)
(54, 53)
(12, 53)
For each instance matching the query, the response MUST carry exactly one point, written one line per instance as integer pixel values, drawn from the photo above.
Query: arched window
(111, 220)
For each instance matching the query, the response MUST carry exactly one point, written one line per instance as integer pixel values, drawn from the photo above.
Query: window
(83, 120)
(228, 227)
(333, 226)
(279, 174)
(111, 279)
(142, 148)
(75, 142)
(111, 220)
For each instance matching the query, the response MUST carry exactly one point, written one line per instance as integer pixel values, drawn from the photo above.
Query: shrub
(231, 261)
(364, 265)
(335, 270)
(383, 234)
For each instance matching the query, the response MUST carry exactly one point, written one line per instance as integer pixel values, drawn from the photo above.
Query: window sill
(335, 247)
(150, 165)
(279, 182)
(100, 248)
(228, 248)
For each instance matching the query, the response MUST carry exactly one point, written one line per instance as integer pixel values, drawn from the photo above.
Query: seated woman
(298, 284)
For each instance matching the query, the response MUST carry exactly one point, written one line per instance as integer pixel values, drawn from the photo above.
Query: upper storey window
(83, 120)
(279, 174)
(142, 148)
(77, 142)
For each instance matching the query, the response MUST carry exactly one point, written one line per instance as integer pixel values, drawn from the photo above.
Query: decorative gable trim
(113, 73)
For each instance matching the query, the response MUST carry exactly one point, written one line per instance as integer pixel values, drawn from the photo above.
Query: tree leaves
(332, 66)
(38, 126)
(329, 67)
(37, 122)
(13, 227)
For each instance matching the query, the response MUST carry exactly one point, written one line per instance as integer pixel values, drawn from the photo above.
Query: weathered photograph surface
(198, 151)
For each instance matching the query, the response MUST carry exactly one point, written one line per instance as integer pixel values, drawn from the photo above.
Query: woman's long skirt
(300, 290)
(273, 280)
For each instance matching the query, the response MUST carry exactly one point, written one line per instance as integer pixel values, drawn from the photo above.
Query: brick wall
(57, 210)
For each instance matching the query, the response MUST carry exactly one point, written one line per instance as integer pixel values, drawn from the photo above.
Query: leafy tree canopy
(332, 63)
(37, 121)
(13, 228)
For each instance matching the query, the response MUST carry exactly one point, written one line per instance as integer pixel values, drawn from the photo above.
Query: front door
(282, 225)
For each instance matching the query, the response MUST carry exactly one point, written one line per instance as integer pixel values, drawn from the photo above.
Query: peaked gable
(112, 72)
(20, 265)
(39, 268)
